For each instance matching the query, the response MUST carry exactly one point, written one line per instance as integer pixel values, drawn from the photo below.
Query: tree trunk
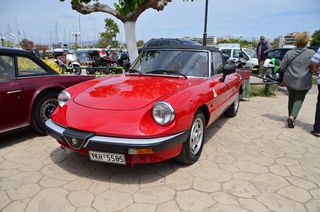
(130, 32)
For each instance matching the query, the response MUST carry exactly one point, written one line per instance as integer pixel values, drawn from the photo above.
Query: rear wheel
(76, 69)
(90, 71)
(192, 148)
(43, 108)
(233, 109)
(267, 74)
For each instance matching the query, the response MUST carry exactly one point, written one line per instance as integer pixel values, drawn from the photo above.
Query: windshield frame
(176, 49)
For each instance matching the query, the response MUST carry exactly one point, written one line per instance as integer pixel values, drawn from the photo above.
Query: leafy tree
(42, 47)
(140, 43)
(26, 44)
(107, 37)
(126, 11)
(315, 38)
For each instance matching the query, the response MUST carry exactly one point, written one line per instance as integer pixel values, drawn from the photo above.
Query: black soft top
(184, 47)
(6, 50)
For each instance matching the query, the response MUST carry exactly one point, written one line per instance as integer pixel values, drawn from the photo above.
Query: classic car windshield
(174, 62)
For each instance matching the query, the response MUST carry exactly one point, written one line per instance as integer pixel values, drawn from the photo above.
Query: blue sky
(248, 18)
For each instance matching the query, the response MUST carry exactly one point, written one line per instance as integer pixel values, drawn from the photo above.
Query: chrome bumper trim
(131, 141)
(115, 140)
(54, 127)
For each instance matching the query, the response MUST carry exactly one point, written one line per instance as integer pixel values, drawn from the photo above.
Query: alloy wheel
(196, 136)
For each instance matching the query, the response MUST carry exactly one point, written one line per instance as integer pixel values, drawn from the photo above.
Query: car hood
(129, 92)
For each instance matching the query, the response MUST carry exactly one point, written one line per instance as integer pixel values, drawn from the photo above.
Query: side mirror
(126, 65)
(227, 69)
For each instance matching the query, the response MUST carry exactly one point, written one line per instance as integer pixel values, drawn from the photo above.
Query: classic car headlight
(163, 113)
(63, 97)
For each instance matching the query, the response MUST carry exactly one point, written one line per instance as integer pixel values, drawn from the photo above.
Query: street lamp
(204, 42)
(76, 35)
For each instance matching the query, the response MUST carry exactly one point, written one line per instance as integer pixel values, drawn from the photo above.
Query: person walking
(297, 76)
(262, 49)
(314, 67)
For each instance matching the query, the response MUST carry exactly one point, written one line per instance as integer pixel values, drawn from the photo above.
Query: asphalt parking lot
(249, 163)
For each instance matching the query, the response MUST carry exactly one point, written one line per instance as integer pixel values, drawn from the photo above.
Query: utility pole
(94, 32)
(51, 38)
(204, 42)
(80, 32)
(57, 36)
(18, 33)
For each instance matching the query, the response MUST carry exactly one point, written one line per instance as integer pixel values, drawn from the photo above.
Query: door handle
(15, 91)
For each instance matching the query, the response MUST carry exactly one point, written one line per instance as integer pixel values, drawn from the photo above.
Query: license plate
(108, 157)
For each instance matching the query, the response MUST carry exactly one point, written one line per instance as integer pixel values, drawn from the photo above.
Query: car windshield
(173, 62)
(251, 52)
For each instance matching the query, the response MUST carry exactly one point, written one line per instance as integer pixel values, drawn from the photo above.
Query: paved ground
(249, 163)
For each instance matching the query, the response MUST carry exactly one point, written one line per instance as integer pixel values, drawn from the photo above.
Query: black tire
(267, 74)
(187, 155)
(43, 107)
(233, 108)
(90, 71)
(76, 69)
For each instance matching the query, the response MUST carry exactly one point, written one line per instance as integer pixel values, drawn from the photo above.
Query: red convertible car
(158, 110)
(28, 90)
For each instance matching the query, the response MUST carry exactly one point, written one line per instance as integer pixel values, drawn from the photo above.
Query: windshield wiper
(134, 71)
(165, 71)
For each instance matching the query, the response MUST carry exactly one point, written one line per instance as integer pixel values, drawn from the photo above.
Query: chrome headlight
(63, 98)
(163, 113)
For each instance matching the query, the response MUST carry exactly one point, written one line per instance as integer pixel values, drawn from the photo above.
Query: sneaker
(315, 133)
(290, 123)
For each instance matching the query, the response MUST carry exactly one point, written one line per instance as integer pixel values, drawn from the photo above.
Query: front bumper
(78, 140)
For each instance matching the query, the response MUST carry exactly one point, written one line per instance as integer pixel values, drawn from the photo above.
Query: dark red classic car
(28, 90)
(158, 110)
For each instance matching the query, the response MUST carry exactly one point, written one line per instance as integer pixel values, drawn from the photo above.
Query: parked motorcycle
(101, 60)
(67, 61)
(124, 58)
(273, 71)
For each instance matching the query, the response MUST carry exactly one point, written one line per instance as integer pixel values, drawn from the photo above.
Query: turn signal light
(140, 151)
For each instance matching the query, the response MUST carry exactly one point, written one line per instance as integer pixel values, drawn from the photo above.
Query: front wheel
(192, 147)
(44, 106)
(76, 69)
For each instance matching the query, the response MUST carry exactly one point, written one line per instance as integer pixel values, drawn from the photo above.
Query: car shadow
(17, 137)
(306, 126)
(82, 166)
(215, 127)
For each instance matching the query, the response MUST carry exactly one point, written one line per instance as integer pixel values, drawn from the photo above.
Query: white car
(235, 53)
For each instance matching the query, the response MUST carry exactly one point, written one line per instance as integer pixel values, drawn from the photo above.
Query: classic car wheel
(233, 109)
(43, 108)
(191, 149)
